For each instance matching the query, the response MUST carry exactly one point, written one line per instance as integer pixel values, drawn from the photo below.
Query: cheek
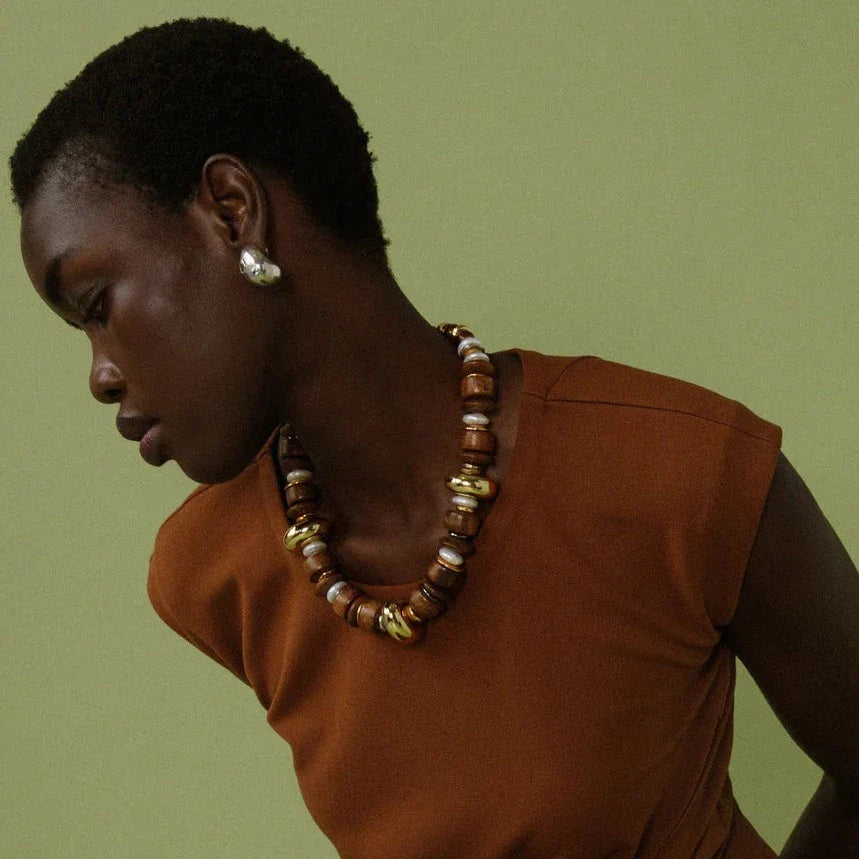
(212, 334)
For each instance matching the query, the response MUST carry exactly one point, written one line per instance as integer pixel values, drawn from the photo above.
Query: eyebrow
(54, 280)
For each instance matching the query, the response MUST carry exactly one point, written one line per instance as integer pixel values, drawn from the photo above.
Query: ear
(232, 200)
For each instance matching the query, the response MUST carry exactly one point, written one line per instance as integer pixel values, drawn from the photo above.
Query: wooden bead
(462, 522)
(485, 405)
(287, 447)
(352, 614)
(441, 595)
(444, 577)
(473, 457)
(424, 607)
(477, 385)
(366, 612)
(463, 545)
(290, 463)
(377, 620)
(300, 491)
(303, 508)
(484, 367)
(317, 564)
(325, 581)
(344, 598)
(477, 439)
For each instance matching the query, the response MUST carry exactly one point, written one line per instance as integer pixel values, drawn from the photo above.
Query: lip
(150, 446)
(133, 427)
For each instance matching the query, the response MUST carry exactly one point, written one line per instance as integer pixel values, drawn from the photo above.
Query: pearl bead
(466, 343)
(476, 356)
(335, 589)
(299, 474)
(465, 501)
(449, 555)
(313, 547)
(475, 419)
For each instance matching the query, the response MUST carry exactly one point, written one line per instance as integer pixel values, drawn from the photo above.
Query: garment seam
(661, 409)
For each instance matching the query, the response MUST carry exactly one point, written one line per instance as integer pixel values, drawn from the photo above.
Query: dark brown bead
(485, 405)
(303, 491)
(441, 595)
(352, 614)
(474, 457)
(288, 448)
(325, 581)
(445, 577)
(484, 367)
(477, 385)
(424, 607)
(462, 522)
(463, 545)
(343, 599)
(318, 563)
(368, 610)
(303, 508)
(291, 463)
(477, 440)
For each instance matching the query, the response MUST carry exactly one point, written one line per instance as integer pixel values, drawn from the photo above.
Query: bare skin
(334, 348)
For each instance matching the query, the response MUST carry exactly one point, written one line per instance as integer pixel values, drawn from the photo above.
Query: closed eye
(95, 312)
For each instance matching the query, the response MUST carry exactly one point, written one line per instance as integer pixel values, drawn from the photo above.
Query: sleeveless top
(576, 699)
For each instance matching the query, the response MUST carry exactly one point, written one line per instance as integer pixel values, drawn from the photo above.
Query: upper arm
(796, 626)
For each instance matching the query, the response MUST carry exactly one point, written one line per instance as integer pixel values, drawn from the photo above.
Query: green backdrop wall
(668, 185)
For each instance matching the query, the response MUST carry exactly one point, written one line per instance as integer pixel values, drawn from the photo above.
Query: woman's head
(138, 186)
(150, 110)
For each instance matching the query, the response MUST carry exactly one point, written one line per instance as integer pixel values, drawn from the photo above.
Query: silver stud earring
(257, 267)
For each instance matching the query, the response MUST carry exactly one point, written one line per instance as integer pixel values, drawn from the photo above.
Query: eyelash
(96, 312)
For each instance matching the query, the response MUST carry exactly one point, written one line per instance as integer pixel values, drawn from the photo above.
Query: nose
(105, 380)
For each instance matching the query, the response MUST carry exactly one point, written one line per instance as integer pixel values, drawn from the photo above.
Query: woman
(492, 601)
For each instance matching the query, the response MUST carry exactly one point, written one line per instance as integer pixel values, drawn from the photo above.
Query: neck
(372, 391)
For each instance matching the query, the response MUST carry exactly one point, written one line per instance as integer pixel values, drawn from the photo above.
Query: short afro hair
(148, 111)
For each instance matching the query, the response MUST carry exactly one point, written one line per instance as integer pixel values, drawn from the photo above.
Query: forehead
(68, 217)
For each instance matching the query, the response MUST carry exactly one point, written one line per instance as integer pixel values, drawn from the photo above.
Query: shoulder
(596, 380)
(211, 529)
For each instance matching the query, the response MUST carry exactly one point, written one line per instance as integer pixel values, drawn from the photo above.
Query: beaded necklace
(404, 622)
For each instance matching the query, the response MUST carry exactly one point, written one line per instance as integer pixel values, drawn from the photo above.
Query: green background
(669, 185)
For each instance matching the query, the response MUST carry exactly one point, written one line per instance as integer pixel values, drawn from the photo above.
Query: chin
(212, 472)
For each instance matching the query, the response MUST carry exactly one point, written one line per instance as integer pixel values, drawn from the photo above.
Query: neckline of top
(535, 386)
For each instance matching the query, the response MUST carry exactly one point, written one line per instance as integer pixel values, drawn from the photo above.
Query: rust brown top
(576, 699)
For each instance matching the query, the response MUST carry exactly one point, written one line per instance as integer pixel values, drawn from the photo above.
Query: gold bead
(472, 484)
(469, 468)
(299, 534)
(394, 623)
(410, 616)
(450, 329)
